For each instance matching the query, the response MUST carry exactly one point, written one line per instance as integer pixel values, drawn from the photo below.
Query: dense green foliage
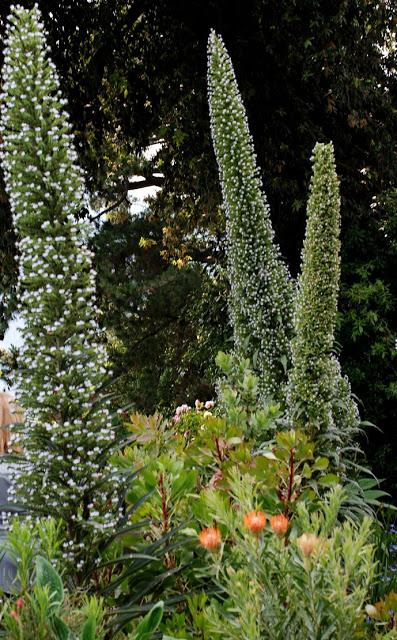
(223, 500)
(161, 314)
(41, 608)
(299, 589)
(336, 84)
(307, 73)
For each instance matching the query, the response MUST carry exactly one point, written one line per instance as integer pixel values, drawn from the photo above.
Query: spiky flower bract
(319, 398)
(261, 289)
(68, 433)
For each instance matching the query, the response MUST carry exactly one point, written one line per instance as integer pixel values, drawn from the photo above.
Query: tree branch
(153, 181)
(110, 208)
(154, 333)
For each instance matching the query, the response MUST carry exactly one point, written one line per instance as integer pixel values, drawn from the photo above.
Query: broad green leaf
(320, 464)
(47, 576)
(329, 479)
(306, 471)
(89, 629)
(60, 629)
(150, 622)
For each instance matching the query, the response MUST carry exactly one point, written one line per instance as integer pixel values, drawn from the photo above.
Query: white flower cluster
(319, 398)
(68, 434)
(261, 288)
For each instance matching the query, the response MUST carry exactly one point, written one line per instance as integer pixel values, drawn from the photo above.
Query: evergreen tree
(69, 431)
(261, 289)
(319, 398)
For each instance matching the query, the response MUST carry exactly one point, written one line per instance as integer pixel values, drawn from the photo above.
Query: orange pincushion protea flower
(255, 521)
(210, 538)
(279, 524)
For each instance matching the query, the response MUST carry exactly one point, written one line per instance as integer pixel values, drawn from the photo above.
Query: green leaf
(48, 577)
(306, 471)
(368, 483)
(184, 483)
(269, 455)
(374, 494)
(150, 622)
(366, 423)
(329, 479)
(320, 464)
(89, 629)
(60, 629)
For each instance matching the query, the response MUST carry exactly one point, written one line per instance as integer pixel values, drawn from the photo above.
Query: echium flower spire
(68, 433)
(319, 398)
(261, 288)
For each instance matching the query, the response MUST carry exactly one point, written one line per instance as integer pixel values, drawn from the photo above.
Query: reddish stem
(290, 480)
(218, 450)
(164, 508)
(95, 578)
(169, 560)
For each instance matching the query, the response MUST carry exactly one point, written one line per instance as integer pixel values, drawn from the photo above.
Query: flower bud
(255, 521)
(279, 524)
(307, 543)
(210, 538)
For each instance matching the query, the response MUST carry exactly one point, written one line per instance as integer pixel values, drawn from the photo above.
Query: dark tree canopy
(134, 73)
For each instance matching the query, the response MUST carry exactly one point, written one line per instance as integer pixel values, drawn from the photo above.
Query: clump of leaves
(240, 400)
(39, 607)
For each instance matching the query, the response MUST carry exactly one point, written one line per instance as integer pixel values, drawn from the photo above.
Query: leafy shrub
(311, 584)
(240, 400)
(39, 607)
(184, 463)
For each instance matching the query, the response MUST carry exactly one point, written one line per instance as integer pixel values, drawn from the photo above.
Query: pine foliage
(69, 433)
(261, 289)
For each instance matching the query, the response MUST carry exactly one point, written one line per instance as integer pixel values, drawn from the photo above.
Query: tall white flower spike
(319, 398)
(261, 288)
(68, 435)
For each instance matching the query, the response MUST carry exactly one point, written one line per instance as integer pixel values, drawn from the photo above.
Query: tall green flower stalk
(261, 288)
(69, 431)
(319, 398)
